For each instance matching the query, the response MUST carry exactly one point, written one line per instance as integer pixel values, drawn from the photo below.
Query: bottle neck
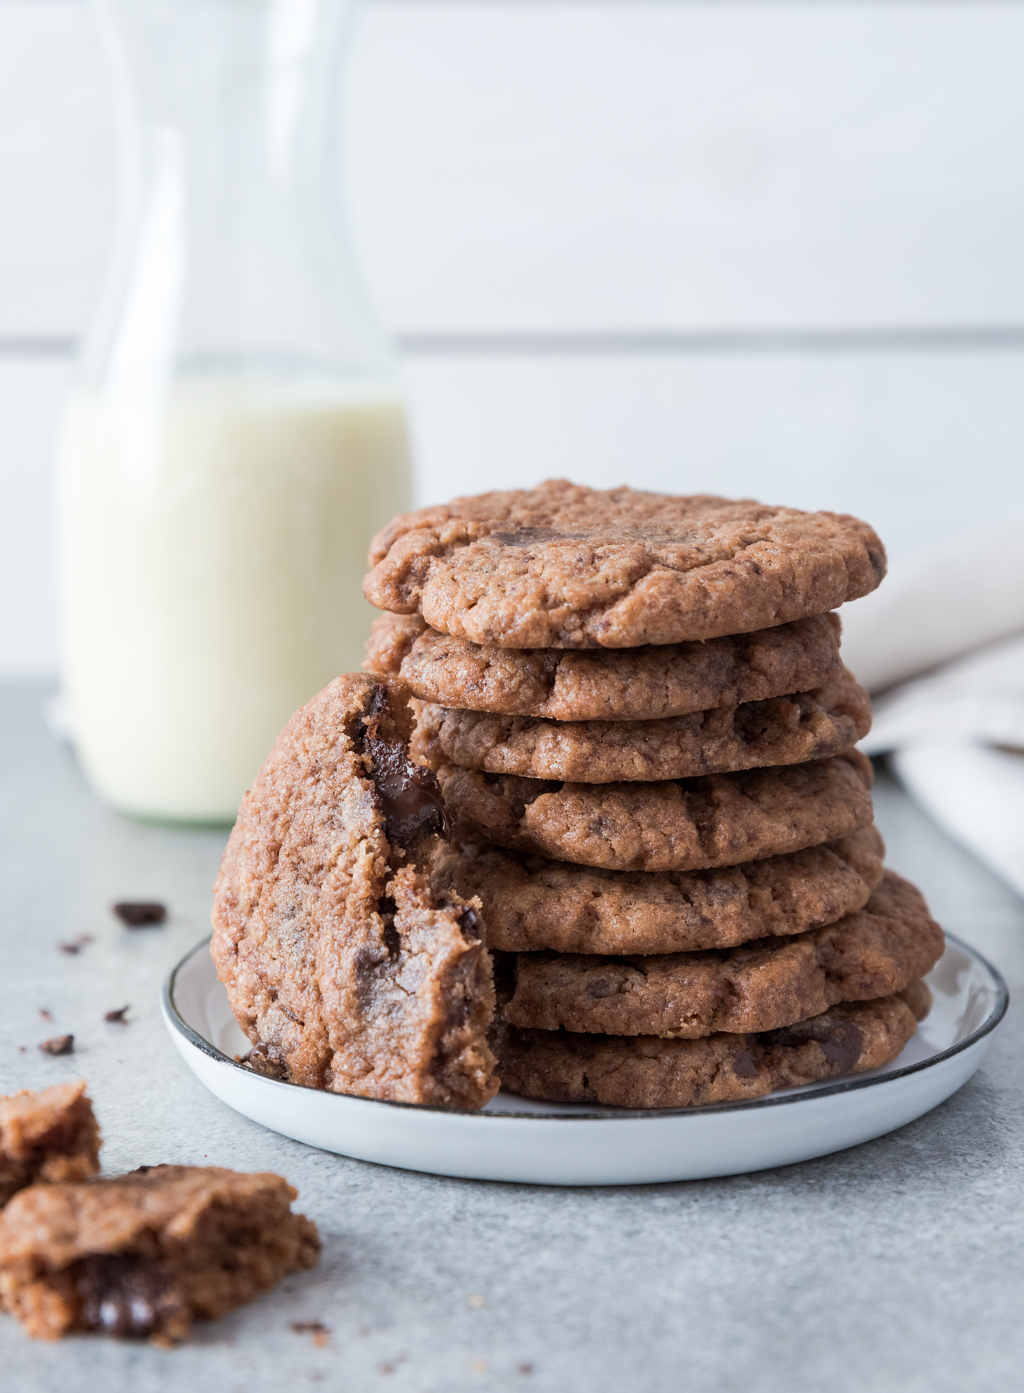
(235, 257)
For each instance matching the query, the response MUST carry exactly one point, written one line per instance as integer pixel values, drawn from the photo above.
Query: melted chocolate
(268, 1060)
(122, 1294)
(470, 923)
(410, 796)
(530, 536)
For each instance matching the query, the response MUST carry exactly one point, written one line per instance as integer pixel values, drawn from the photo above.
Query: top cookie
(564, 566)
(339, 962)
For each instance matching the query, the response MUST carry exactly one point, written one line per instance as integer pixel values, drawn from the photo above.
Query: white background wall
(769, 247)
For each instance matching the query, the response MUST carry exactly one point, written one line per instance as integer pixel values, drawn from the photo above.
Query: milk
(212, 552)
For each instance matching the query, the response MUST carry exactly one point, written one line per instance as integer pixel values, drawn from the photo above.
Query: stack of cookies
(638, 715)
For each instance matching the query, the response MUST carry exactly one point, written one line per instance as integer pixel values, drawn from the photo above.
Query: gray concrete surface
(898, 1265)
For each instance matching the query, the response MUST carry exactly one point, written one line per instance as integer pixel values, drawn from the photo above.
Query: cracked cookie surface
(340, 964)
(781, 730)
(674, 825)
(532, 903)
(564, 566)
(632, 684)
(874, 952)
(642, 1071)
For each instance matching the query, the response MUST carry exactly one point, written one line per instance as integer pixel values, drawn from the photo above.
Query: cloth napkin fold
(956, 734)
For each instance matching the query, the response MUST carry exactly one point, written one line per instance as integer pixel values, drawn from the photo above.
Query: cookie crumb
(60, 1044)
(476, 1302)
(524, 1369)
(321, 1333)
(117, 1016)
(140, 914)
(46, 1015)
(480, 1366)
(76, 945)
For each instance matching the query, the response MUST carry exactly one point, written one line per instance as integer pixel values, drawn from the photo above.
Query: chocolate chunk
(117, 1016)
(410, 796)
(268, 1060)
(60, 1044)
(841, 1041)
(471, 924)
(743, 1065)
(122, 1294)
(140, 914)
(842, 1046)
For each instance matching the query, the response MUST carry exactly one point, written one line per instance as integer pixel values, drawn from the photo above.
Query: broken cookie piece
(341, 964)
(50, 1136)
(145, 1254)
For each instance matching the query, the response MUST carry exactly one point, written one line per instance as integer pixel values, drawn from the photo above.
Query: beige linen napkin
(956, 735)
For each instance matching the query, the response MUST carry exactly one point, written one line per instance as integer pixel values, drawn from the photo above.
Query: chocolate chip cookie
(563, 566)
(676, 825)
(531, 903)
(781, 730)
(633, 684)
(145, 1254)
(643, 1071)
(879, 950)
(341, 965)
(47, 1136)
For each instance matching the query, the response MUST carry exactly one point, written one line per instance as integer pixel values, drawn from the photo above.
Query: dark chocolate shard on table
(140, 914)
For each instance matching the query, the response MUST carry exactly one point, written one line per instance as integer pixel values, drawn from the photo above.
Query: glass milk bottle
(236, 434)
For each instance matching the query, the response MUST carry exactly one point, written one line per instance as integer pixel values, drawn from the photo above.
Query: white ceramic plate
(576, 1144)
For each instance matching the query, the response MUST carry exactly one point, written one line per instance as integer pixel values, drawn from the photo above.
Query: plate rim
(176, 1022)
